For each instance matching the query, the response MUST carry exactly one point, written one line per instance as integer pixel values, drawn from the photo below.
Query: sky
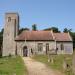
(44, 13)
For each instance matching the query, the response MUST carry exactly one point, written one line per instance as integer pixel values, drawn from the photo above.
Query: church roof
(35, 35)
(62, 37)
(43, 36)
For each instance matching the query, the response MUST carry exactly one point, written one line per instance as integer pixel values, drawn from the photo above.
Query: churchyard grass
(58, 62)
(12, 65)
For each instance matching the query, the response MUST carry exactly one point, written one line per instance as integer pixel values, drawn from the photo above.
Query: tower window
(9, 19)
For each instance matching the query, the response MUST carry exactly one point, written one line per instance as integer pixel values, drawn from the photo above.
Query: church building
(32, 42)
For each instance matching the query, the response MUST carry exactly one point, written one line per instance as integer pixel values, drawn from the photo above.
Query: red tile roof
(43, 35)
(35, 35)
(62, 37)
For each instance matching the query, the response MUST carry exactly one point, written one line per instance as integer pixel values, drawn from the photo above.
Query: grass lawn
(58, 61)
(12, 66)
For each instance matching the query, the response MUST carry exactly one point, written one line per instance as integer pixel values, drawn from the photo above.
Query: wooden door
(25, 51)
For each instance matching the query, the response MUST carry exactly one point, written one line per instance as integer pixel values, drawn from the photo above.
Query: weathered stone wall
(10, 32)
(68, 48)
(34, 46)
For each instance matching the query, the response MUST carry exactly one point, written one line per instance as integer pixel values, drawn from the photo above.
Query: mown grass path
(38, 68)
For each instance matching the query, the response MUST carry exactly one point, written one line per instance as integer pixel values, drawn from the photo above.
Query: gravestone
(64, 65)
(67, 67)
(51, 53)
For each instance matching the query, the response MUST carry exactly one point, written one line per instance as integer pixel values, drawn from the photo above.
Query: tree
(67, 30)
(1, 36)
(55, 29)
(73, 38)
(72, 35)
(22, 29)
(1, 41)
(47, 29)
(34, 27)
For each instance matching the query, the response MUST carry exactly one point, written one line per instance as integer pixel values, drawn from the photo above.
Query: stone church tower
(11, 29)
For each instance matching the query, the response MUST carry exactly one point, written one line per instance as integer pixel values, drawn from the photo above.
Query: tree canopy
(67, 30)
(55, 29)
(1, 41)
(22, 29)
(34, 27)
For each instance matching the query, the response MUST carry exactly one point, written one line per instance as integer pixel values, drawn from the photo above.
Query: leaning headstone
(51, 53)
(67, 68)
(50, 59)
(64, 65)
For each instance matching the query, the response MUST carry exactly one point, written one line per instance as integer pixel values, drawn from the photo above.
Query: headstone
(51, 53)
(64, 65)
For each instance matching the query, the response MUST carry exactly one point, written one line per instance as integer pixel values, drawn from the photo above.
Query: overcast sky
(44, 13)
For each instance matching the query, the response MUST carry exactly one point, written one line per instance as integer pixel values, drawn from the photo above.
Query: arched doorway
(25, 51)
